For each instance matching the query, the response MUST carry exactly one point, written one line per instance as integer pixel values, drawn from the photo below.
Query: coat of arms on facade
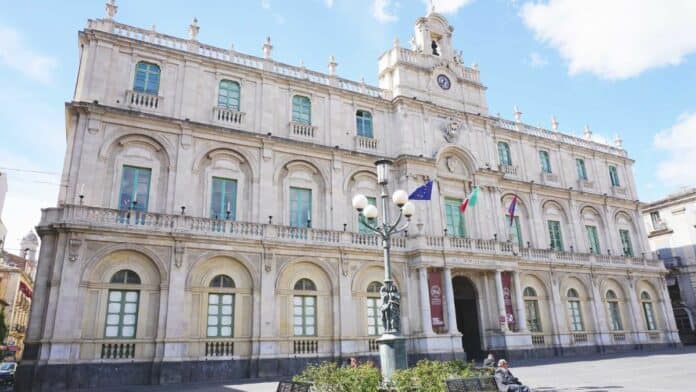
(451, 130)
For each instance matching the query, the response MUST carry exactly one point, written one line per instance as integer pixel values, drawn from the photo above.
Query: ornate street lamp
(392, 346)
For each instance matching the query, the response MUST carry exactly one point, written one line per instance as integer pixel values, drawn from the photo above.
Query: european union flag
(423, 192)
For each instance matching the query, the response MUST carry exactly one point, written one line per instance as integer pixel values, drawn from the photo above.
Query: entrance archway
(466, 308)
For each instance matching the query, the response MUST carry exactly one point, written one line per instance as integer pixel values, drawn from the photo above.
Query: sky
(624, 67)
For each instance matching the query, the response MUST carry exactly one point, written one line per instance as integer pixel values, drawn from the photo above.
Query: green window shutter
(362, 227)
(582, 172)
(455, 220)
(374, 317)
(532, 312)
(576, 324)
(555, 236)
(649, 316)
(545, 161)
(626, 242)
(135, 186)
(147, 78)
(220, 315)
(228, 95)
(301, 109)
(223, 198)
(515, 230)
(121, 314)
(616, 324)
(300, 207)
(304, 315)
(363, 121)
(504, 153)
(614, 176)
(593, 239)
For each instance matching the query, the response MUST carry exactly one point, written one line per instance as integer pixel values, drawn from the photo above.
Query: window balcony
(618, 191)
(143, 101)
(302, 130)
(549, 178)
(228, 117)
(366, 144)
(585, 184)
(508, 170)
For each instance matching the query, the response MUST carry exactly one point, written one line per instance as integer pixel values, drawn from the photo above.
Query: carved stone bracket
(343, 262)
(179, 249)
(74, 246)
(268, 258)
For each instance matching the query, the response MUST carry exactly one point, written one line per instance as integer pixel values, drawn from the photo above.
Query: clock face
(443, 81)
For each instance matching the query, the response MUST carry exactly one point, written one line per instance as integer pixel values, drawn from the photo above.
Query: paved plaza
(629, 372)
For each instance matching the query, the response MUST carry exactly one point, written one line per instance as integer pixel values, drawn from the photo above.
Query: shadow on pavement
(600, 356)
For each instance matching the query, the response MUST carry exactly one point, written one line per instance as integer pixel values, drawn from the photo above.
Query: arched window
(305, 309)
(228, 95)
(544, 161)
(648, 311)
(614, 312)
(147, 78)
(531, 306)
(122, 307)
(301, 109)
(374, 316)
(221, 307)
(363, 121)
(574, 311)
(504, 153)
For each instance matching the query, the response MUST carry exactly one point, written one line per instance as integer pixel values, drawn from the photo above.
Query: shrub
(327, 377)
(430, 376)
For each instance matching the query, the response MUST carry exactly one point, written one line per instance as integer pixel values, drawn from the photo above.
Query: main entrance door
(467, 316)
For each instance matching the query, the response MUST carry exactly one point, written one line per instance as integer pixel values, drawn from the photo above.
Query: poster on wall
(435, 290)
(507, 297)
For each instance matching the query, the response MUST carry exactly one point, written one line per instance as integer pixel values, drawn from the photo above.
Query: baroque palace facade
(206, 231)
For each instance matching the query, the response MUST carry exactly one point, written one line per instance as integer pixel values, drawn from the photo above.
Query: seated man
(489, 362)
(506, 381)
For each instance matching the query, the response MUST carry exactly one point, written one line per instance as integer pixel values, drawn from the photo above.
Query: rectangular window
(304, 315)
(504, 153)
(580, 165)
(301, 109)
(545, 161)
(121, 314)
(223, 199)
(455, 220)
(555, 237)
(220, 315)
(363, 124)
(374, 317)
(614, 176)
(361, 227)
(533, 319)
(615, 315)
(228, 95)
(515, 230)
(135, 188)
(649, 316)
(575, 316)
(656, 220)
(593, 239)
(626, 242)
(147, 78)
(300, 207)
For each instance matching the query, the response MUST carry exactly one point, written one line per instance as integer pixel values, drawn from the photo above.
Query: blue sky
(622, 67)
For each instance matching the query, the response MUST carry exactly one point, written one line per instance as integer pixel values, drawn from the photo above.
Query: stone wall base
(31, 377)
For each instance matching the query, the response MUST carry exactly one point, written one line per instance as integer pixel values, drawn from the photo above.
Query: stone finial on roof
(587, 133)
(194, 29)
(332, 65)
(618, 142)
(111, 9)
(267, 48)
(554, 123)
(518, 114)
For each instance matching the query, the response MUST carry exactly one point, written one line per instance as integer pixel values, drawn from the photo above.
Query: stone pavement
(651, 371)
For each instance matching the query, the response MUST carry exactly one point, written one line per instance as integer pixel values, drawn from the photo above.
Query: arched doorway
(466, 308)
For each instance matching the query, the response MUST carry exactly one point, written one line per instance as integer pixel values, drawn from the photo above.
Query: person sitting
(506, 381)
(489, 362)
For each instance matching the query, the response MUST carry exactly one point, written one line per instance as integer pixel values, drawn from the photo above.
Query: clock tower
(431, 70)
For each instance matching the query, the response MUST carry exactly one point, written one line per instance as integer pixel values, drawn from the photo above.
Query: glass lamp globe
(370, 212)
(359, 202)
(408, 209)
(400, 197)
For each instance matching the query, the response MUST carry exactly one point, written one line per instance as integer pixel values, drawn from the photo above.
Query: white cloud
(380, 12)
(266, 4)
(447, 6)
(679, 144)
(536, 60)
(615, 39)
(16, 54)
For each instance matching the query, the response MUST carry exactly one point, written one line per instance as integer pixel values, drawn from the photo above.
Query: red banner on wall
(435, 291)
(507, 297)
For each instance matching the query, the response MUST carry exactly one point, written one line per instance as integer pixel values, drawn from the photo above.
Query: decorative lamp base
(392, 354)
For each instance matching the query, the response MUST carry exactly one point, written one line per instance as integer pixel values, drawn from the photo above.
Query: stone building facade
(206, 229)
(16, 291)
(671, 227)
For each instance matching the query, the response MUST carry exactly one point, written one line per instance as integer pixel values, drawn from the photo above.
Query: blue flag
(423, 192)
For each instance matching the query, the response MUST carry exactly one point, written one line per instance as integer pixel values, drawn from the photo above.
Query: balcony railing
(363, 143)
(508, 169)
(118, 350)
(219, 348)
(618, 191)
(135, 99)
(228, 117)
(302, 130)
(136, 221)
(549, 178)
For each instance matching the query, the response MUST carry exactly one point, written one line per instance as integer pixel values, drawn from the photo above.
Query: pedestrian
(353, 362)
(506, 381)
(489, 362)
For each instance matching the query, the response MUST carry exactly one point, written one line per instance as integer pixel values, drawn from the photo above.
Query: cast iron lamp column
(392, 346)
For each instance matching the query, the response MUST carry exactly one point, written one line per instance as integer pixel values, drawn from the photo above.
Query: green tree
(3, 325)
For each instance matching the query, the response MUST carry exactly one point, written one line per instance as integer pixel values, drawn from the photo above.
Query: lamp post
(392, 346)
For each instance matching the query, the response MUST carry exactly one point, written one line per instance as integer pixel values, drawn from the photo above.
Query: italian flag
(470, 201)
